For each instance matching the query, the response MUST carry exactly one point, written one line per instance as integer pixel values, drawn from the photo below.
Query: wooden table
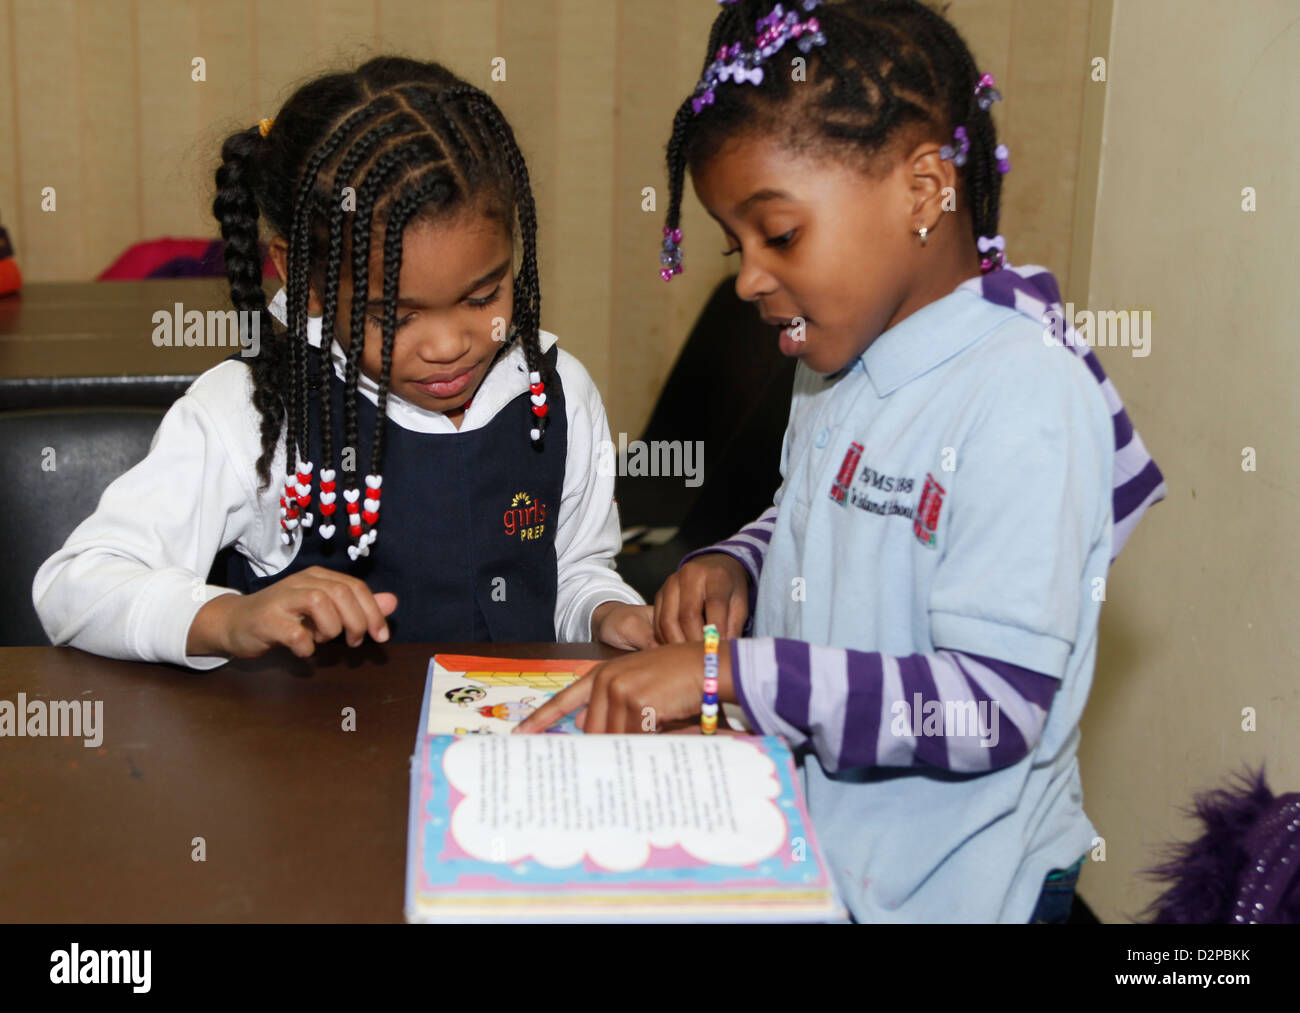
(91, 343)
(301, 821)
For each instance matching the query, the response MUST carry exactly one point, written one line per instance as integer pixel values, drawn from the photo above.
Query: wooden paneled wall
(98, 102)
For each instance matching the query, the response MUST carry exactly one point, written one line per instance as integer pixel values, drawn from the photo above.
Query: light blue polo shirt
(950, 490)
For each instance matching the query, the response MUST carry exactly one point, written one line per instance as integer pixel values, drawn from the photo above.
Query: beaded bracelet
(709, 709)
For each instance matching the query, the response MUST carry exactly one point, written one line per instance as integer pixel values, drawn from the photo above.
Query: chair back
(58, 462)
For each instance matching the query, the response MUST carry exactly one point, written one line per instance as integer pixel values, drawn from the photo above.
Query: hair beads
(327, 502)
(362, 513)
(295, 501)
(671, 257)
(537, 393)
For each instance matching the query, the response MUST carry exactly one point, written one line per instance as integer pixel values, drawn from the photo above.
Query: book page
(558, 800)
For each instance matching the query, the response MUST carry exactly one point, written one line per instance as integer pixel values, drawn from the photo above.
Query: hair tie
(264, 125)
(993, 249)
(985, 93)
(744, 65)
(959, 152)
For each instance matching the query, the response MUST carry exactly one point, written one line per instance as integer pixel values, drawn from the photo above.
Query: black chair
(57, 462)
(730, 388)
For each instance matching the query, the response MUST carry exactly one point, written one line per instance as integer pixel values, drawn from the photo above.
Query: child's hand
(627, 627)
(652, 691)
(298, 612)
(713, 588)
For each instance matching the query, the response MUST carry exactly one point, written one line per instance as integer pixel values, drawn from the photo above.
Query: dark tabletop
(83, 343)
(301, 820)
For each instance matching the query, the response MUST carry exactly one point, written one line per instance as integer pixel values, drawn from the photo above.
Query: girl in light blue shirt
(923, 596)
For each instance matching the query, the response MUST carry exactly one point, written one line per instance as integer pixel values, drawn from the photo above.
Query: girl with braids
(925, 591)
(411, 380)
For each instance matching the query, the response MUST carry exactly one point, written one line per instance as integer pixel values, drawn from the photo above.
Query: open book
(597, 828)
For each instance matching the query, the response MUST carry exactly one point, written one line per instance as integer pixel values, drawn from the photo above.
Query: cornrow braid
(886, 67)
(528, 293)
(392, 162)
(433, 113)
(362, 149)
(299, 467)
(299, 282)
(433, 187)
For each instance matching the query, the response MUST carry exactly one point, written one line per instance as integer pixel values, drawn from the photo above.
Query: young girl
(392, 193)
(925, 590)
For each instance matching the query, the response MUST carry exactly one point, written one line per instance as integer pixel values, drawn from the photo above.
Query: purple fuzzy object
(1244, 868)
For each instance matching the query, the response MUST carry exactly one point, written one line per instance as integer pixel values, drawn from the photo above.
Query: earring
(923, 233)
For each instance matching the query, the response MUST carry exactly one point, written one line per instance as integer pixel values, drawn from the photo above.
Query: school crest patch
(840, 490)
(925, 523)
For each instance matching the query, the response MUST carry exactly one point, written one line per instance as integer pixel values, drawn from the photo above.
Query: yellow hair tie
(264, 126)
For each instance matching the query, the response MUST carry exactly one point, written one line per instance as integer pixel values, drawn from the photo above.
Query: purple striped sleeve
(960, 712)
(748, 547)
(863, 709)
(918, 683)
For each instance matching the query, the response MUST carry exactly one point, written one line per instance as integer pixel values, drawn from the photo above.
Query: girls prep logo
(526, 517)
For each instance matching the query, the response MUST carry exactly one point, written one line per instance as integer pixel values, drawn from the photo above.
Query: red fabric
(142, 259)
(11, 279)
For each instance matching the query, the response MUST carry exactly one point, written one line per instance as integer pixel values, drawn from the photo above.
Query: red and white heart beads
(327, 504)
(363, 515)
(295, 501)
(538, 397)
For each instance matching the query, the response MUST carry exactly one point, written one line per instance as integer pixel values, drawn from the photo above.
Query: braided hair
(891, 73)
(407, 141)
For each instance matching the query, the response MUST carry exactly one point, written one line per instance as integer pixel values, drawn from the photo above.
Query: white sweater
(131, 577)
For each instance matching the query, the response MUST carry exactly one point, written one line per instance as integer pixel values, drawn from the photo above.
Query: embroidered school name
(870, 481)
(526, 517)
(78, 719)
(875, 481)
